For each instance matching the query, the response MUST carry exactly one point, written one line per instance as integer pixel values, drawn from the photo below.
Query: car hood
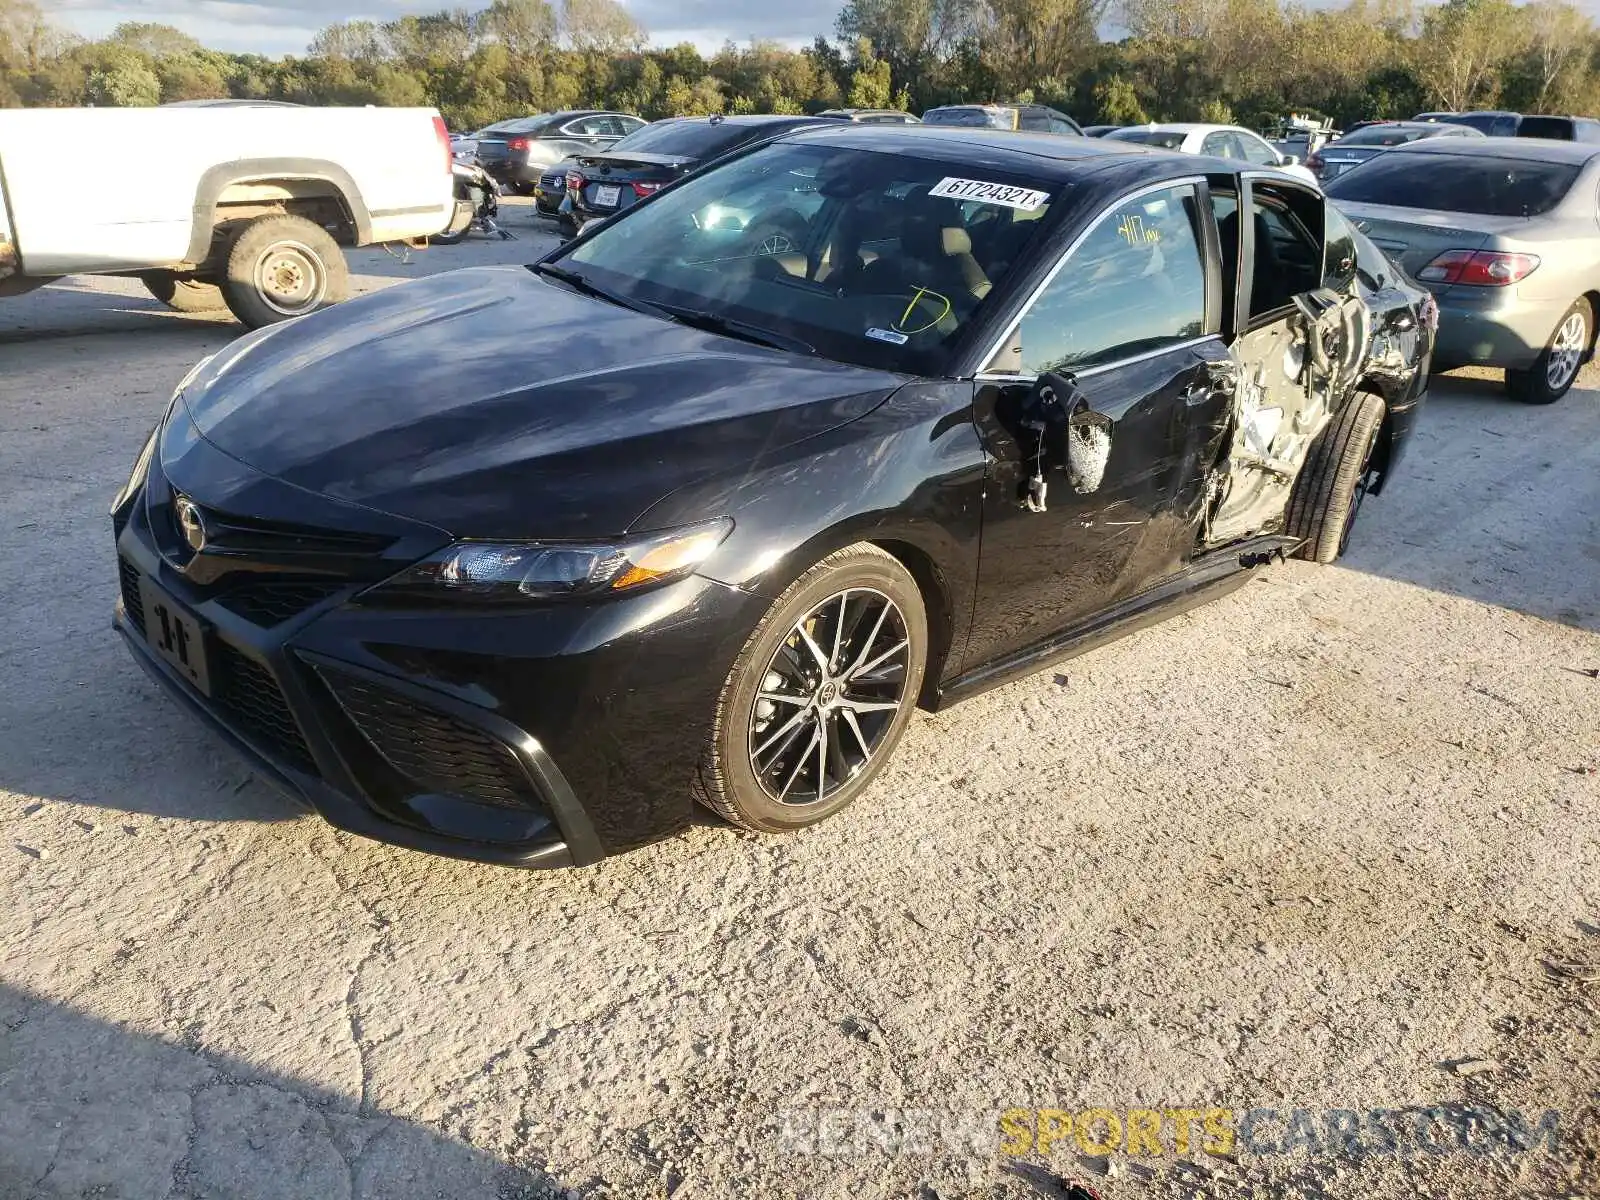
(493, 403)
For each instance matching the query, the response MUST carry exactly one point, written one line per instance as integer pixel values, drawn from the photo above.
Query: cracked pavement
(1306, 846)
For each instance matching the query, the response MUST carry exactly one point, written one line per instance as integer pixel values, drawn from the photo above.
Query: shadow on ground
(1496, 501)
(106, 1111)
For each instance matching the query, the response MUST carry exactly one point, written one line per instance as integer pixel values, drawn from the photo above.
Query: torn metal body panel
(1293, 375)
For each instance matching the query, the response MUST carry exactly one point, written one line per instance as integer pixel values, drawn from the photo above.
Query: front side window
(1035, 119)
(1218, 144)
(1135, 283)
(872, 258)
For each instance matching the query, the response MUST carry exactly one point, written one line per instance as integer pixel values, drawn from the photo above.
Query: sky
(276, 27)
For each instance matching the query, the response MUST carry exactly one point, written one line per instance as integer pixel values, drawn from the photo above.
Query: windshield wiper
(743, 330)
(574, 280)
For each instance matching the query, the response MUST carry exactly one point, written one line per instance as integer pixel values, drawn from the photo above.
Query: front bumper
(547, 736)
(1493, 327)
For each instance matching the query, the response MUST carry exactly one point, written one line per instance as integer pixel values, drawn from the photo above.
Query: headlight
(141, 468)
(498, 571)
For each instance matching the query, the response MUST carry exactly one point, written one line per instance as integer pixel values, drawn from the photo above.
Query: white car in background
(1220, 141)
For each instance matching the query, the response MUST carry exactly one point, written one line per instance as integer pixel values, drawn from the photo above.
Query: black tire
(750, 726)
(1556, 369)
(182, 292)
(1332, 483)
(283, 267)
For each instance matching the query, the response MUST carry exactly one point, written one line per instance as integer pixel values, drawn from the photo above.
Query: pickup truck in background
(239, 205)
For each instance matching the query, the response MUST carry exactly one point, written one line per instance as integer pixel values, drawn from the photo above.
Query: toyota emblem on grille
(190, 524)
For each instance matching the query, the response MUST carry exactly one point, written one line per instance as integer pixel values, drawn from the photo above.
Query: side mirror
(1288, 160)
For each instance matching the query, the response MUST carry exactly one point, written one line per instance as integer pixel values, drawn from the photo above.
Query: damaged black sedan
(520, 564)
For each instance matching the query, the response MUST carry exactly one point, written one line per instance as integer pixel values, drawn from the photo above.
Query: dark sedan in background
(717, 522)
(516, 153)
(602, 185)
(1028, 118)
(1354, 148)
(1496, 123)
(1506, 233)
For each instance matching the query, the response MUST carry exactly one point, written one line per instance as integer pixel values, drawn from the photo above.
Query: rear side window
(1134, 284)
(1492, 124)
(1035, 119)
(1559, 128)
(1491, 187)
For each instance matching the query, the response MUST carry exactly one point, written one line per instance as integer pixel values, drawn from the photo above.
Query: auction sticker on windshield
(989, 193)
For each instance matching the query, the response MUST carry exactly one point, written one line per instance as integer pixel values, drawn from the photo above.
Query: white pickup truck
(212, 204)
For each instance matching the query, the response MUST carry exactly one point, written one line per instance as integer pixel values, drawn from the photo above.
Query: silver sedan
(1506, 234)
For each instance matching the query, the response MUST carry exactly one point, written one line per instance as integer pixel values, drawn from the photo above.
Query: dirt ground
(1331, 843)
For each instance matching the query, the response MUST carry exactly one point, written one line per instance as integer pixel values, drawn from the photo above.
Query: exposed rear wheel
(283, 267)
(820, 695)
(183, 292)
(1556, 370)
(1333, 482)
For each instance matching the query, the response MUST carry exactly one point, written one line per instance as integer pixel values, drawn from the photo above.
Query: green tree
(1467, 41)
(871, 82)
(1116, 103)
(124, 79)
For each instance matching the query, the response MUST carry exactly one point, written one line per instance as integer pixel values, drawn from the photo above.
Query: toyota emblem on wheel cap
(190, 523)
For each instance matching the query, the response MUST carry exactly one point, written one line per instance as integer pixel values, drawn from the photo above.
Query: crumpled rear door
(1298, 353)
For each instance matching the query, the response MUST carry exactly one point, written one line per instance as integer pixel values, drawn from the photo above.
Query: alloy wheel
(1566, 351)
(829, 696)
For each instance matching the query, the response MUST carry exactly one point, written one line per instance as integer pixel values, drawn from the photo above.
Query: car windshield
(1491, 187)
(971, 117)
(1160, 138)
(684, 139)
(883, 260)
(1385, 135)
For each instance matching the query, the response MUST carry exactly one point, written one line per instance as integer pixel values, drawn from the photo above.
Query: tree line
(1246, 61)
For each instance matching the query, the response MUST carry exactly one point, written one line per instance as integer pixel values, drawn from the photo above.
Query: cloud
(286, 26)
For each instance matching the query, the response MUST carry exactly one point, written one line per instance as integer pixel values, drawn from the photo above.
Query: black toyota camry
(520, 564)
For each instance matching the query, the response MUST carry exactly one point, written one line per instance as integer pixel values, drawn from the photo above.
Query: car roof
(1056, 159)
(1544, 149)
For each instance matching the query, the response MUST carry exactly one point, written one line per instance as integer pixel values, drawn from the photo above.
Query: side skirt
(1209, 577)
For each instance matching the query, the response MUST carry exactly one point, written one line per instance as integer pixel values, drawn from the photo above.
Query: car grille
(132, 600)
(272, 602)
(434, 750)
(253, 704)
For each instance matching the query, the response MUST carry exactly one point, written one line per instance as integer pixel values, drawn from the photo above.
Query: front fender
(908, 476)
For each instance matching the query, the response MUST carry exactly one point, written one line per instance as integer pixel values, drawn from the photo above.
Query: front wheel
(820, 695)
(1556, 369)
(283, 267)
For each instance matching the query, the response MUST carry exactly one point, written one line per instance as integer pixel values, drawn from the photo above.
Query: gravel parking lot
(1331, 842)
